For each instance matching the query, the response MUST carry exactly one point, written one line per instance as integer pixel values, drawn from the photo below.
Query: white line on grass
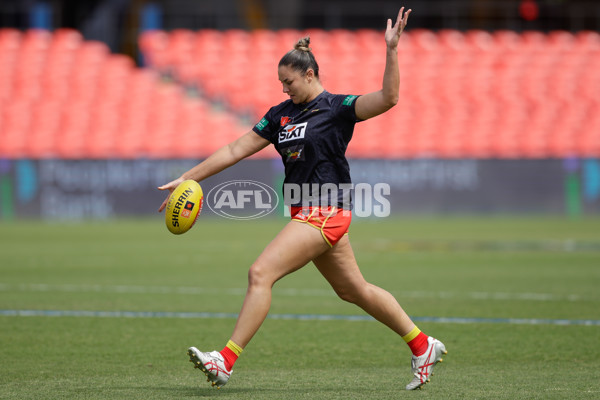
(296, 317)
(190, 290)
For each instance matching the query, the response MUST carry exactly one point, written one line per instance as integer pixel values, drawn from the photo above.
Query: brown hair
(301, 57)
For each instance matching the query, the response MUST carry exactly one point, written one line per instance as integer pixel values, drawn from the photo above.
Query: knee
(353, 294)
(346, 295)
(258, 276)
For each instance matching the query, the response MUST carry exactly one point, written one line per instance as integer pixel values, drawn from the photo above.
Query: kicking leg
(338, 265)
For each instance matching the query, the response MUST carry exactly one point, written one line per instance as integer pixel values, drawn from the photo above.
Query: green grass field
(515, 300)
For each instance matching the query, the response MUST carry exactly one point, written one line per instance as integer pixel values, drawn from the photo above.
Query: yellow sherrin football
(183, 207)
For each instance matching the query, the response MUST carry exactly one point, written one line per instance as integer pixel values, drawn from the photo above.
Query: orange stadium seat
(16, 122)
(154, 45)
(9, 49)
(73, 131)
(45, 129)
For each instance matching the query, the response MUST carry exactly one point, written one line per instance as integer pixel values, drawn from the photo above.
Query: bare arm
(221, 159)
(375, 103)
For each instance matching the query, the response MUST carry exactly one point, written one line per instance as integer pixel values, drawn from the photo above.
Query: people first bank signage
(101, 189)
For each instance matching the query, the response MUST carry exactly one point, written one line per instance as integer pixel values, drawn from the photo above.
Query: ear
(310, 75)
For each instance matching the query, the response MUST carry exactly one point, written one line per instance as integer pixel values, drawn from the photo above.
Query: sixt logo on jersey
(292, 132)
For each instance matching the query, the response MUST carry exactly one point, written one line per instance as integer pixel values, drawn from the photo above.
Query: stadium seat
(507, 40)
(16, 125)
(134, 113)
(479, 40)
(154, 45)
(73, 131)
(44, 131)
(450, 39)
(587, 40)
(533, 40)
(424, 40)
(560, 40)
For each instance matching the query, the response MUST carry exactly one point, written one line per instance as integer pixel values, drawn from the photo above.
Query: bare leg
(295, 246)
(338, 265)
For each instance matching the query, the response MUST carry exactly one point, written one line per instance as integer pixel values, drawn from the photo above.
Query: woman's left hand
(392, 33)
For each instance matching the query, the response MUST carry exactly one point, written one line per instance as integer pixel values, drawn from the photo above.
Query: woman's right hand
(170, 187)
(392, 33)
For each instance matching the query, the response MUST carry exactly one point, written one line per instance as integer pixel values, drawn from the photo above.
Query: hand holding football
(183, 207)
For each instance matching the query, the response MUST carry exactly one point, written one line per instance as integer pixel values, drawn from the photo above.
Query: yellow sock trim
(235, 348)
(411, 335)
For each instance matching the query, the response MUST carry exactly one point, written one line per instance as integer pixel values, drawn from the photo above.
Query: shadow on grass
(176, 392)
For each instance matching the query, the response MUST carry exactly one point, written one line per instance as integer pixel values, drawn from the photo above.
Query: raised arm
(375, 103)
(221, 159)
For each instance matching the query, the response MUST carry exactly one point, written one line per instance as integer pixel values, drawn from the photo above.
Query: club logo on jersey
(293, 153)
(292, 132)
(285, 121)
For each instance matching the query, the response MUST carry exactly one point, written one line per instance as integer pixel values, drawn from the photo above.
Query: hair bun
(303, 44)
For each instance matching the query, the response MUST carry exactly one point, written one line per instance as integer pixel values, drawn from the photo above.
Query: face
(295, 84)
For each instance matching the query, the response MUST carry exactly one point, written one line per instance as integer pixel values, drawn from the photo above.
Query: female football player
(311, 131)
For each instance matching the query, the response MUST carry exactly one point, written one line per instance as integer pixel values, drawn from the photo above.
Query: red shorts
(333, 222)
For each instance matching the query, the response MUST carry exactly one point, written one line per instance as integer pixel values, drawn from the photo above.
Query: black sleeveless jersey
(312, 139)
